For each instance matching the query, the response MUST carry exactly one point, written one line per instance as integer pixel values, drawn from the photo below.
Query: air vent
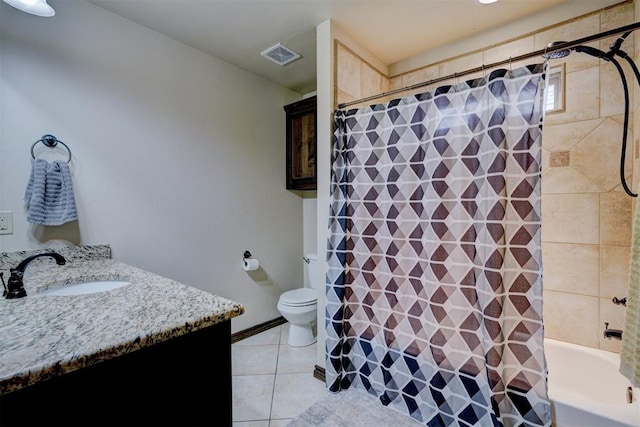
(280, 54)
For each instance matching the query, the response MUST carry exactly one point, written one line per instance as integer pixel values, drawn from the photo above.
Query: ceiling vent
(280, 54)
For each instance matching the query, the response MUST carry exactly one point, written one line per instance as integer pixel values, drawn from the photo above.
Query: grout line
(275, 376)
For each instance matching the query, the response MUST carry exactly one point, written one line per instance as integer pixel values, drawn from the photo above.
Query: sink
(86, 288)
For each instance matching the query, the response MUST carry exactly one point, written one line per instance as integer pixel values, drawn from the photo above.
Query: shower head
(556, 54)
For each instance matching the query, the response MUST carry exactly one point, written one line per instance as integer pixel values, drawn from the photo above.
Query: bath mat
(351, 408)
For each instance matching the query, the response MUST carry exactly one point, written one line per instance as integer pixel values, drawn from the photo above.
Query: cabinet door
(301, 144)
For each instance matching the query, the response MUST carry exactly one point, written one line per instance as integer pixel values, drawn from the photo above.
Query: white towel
(630, 352)
(49, 194)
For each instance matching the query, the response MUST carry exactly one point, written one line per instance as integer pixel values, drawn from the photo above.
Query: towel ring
(50, 141)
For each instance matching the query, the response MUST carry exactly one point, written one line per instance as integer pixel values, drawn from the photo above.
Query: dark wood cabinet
(185, 381)
(301, 144)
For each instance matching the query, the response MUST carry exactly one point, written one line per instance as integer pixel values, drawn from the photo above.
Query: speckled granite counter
(47, 336)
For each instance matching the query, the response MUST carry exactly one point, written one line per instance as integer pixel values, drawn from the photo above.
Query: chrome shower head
(556, 54)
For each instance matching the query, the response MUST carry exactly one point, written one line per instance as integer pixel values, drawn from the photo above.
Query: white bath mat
(351, 408)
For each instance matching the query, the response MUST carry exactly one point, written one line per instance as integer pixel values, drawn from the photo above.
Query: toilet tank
(312, 270)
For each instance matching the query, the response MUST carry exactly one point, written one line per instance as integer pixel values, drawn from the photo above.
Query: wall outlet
(6, 222)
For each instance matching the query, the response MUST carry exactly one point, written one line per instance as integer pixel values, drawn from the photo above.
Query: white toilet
(299, 307)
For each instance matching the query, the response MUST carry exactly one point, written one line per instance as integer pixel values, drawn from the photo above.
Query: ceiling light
(280, 54)
(34, 7)
(487, 1)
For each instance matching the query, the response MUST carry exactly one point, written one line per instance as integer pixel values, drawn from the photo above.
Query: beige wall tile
(566, 180)
(343, 96)
(462, 63)
(508, 50)
(615, 219)
(614, 315)
(582, 97)
(373, 83)
(349, 73)
(617, 17)
(573, 30)
(570, 218)
(614, 271)
(571, 268)
(565, 136)
(597, 156)
(559, 159)
(420, 75)
(545, 161)
(395, 83)
(611, 91)
(619, 118)
(572, 318)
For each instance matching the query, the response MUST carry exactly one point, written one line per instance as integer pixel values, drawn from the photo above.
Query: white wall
(324, 132)
(178, 157)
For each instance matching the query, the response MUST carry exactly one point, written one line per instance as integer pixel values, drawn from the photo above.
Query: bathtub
(586, 389)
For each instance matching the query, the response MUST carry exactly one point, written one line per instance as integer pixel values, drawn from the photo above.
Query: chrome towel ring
(50, 141)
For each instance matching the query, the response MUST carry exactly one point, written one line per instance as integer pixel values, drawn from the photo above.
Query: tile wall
(586, 229)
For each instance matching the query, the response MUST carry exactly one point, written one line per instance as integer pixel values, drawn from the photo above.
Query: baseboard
(319, 373)
(254, 330)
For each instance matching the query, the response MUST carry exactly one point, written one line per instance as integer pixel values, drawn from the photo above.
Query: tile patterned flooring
(272, 382)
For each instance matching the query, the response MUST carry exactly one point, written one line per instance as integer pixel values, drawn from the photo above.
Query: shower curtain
(434, 283)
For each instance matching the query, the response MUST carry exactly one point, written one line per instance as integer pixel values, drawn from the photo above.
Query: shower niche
(301, 122)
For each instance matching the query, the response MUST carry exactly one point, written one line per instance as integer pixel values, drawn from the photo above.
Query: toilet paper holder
(246, 255)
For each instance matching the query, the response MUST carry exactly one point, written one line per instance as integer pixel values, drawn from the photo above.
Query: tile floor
(272, 382)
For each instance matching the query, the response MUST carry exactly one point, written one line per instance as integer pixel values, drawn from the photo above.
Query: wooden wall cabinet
(301, 144)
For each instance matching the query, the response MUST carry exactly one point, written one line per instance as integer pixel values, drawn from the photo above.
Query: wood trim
(319, 373)
(255, 330)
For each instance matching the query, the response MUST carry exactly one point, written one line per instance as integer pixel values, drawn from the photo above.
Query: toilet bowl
(299, 307)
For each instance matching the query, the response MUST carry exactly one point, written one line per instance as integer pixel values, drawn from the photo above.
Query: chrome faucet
(612, 333)
(15, 286)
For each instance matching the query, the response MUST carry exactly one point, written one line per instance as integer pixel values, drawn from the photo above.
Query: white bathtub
(586, 389)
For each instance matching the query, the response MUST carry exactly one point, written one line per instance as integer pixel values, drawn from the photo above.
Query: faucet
(15, 286)
(612, 333)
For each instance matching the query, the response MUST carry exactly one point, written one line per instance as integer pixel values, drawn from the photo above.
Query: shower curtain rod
(556, 47)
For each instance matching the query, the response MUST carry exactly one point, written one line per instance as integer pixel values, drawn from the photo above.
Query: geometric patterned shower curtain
(434, 286)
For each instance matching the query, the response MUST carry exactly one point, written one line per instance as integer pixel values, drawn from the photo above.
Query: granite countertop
(46, 336)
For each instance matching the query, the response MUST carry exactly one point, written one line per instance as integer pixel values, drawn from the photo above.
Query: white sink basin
(86, 288)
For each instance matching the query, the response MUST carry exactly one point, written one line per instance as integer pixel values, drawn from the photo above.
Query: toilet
(299, 307)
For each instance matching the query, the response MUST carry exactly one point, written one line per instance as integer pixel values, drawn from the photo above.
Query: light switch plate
(6, 222)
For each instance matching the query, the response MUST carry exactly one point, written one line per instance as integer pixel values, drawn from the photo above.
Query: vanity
(152, 352)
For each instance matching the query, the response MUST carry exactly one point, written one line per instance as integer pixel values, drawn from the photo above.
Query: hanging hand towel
(49, 194)
(630, 352)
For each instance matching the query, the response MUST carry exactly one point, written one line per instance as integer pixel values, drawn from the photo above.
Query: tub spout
(612, 333)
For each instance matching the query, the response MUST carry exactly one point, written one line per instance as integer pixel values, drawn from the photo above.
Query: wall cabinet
(301, 121)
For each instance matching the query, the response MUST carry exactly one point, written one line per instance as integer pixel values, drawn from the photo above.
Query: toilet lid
(299, 297)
